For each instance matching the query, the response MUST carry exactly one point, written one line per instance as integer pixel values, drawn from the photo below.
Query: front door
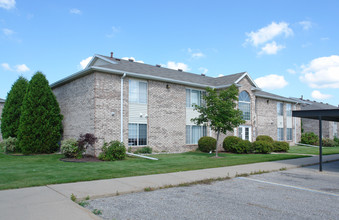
(244, 132)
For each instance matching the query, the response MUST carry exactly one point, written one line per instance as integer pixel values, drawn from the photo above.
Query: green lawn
(25, 171)
(313, 150)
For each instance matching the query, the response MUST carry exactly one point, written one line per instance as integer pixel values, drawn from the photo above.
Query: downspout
(122, 109)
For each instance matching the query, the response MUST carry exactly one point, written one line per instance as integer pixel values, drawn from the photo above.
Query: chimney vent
(111, 54)
(180, 70)
(130, 60)
(203, 74)
(158, 65)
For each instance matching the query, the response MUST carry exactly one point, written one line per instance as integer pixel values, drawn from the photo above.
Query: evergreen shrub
(230, 142)
(207, 144)
(113, 150)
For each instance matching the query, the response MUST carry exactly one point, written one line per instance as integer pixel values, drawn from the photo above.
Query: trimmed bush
(230, 142)
(243, 147)
(262, 147)
(264, 138)
(280, 146)
(70, 149)
(9, 145)
(309, 138)
(113, 150)
(144, 150)
(207, 144)
(336, 140)
(328, 142)
(10, 118)
(40, 126)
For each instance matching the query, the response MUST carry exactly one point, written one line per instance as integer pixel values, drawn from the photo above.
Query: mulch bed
(81, 160)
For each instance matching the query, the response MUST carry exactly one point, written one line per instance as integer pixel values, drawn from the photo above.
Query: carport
(321, 114)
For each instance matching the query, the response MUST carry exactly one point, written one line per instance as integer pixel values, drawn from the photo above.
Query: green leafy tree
(10, 117)
(40, 127)
(219, 111)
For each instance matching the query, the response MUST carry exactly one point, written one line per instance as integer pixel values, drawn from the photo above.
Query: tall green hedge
(40, 127)
(11, 112)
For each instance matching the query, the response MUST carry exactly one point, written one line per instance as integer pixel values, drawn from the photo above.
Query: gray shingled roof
(2, 100)
(141, 68)
(264, 94)
(313, 105)
(162, 73)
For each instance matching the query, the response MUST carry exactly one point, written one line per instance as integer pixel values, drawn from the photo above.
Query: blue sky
(289, 48)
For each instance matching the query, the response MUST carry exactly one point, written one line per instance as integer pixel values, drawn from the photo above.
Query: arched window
(245, 105)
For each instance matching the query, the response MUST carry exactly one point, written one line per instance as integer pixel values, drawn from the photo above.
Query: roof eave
(276, 98)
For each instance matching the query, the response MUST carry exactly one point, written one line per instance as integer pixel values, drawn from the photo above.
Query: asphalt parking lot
(302, 193)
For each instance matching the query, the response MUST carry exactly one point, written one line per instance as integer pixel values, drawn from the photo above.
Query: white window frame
(280, 106)
(189, 95)
(280, 137)
(242, 132)
(138, 131)
(289, 135)
(247, 104)
(189, 133)
(138, 82)
(288, 110)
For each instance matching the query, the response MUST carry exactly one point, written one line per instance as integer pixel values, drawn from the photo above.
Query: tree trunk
(216, 149)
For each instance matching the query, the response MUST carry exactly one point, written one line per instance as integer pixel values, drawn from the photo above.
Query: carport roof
(325, 114)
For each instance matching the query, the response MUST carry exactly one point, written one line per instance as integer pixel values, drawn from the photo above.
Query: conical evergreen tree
(10, 117)
(40, 127)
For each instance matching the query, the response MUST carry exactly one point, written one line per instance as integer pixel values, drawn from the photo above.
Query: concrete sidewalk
(53, 201)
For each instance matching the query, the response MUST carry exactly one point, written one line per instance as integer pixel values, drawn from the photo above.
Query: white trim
(122, 109)
(251, 80)
(276, 98)
(243, 132)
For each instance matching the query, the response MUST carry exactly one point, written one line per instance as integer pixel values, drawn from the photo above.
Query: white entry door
(244, 132)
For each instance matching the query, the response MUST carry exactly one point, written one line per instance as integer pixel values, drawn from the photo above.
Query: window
(194, 133)
(335, 134)
(280, 134)
(280, 108)
(289, 134)
(137, 134)
(245, 105)
(244, 132)
(137, 92)
(194, 97)
(288, 110)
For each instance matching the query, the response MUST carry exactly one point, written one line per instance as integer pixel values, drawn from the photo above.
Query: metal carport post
(321, 114)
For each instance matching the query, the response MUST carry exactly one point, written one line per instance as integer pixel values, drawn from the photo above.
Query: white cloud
(324, 38)
(321, 72)
(271, 48)
(306, 25)
(7, 31)
(132, 58)
(83, 63)
(291, 71)
(318, 95)
(7, 4)
(195, 55)
(220, 75)
(203, 69)
(75, 11)
(176, 66)
(21, 68)
(268, 33)
(6, 66)
(114, 31)
(271, 82)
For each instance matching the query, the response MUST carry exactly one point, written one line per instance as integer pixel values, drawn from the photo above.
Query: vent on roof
(180, 70)
(203, 74)
(158, 65)
(117, 59)
(130, 60)
(111, 54)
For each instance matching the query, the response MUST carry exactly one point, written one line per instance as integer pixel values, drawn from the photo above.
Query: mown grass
(313, 150)
(37, 170)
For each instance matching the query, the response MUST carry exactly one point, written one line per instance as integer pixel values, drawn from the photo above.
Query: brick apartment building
(146, 105)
